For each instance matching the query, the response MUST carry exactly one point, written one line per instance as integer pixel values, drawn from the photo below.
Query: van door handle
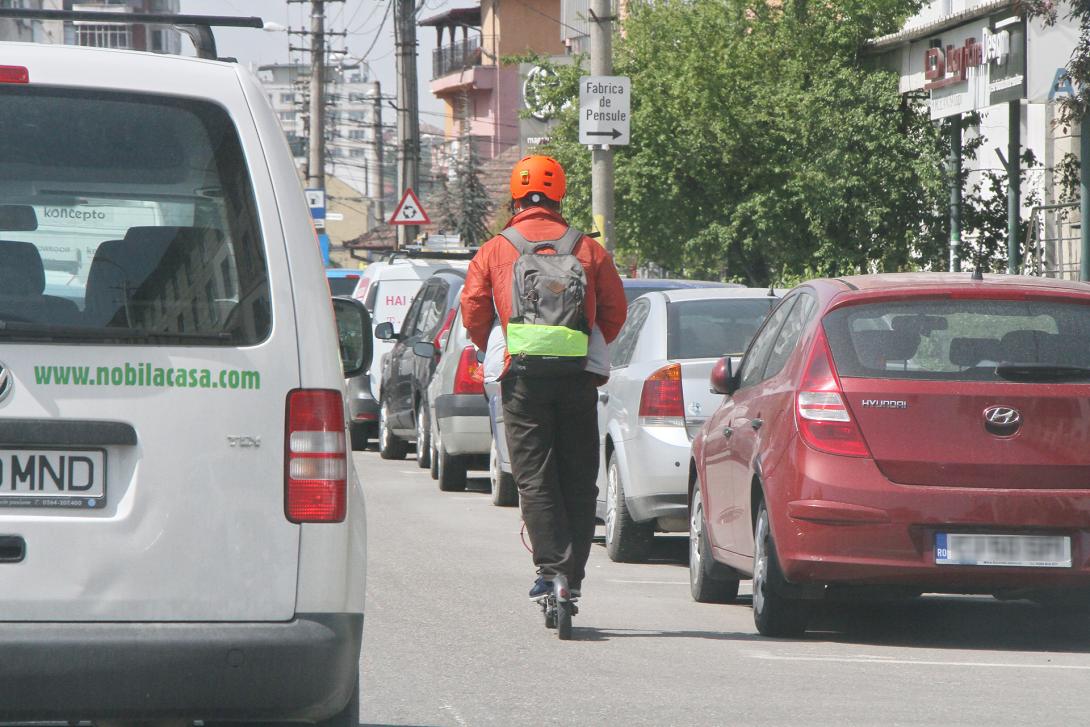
(756, 423)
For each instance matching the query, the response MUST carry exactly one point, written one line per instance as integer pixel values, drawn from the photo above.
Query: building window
(287, 98)
(112, 35)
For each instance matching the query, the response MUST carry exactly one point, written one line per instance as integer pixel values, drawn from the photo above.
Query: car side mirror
(722, 378)
(385, 332)
(425, 349)
(353, 335)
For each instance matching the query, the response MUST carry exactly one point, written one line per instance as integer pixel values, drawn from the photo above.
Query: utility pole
(375, 176)
(316, 149)
(408, 117)
(601, 64)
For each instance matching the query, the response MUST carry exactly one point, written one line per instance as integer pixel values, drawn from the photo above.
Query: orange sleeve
(609, 295)
(478, 311)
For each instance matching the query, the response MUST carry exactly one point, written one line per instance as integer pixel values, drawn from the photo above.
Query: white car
(657, 398)
(182, 532)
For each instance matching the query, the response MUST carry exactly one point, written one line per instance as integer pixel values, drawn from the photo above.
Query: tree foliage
(765, 143)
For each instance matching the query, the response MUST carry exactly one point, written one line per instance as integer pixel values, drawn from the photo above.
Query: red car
(908, 433)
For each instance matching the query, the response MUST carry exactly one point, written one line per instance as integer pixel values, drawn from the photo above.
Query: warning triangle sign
(409, 211)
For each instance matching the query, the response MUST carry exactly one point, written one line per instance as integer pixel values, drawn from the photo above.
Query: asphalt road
(450, 639)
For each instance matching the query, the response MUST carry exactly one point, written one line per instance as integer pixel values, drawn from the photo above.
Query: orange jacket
(488, 283)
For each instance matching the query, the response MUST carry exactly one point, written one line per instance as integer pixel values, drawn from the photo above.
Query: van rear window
(127, 219)
(957, 339)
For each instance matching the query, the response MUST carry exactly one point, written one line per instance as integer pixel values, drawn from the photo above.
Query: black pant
(552, 437)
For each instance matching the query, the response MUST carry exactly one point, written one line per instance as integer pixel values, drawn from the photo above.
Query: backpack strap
(564, 245)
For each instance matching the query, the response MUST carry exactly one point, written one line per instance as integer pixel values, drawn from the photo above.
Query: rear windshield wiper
(51, 332)
(1041, 372)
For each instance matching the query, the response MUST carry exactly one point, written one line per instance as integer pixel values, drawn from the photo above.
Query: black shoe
(541, 588)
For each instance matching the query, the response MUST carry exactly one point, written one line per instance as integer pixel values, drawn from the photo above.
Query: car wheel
(504, 491)
(773, 613)
(390, 446)
(452, 470)
(423, 437)
(709, 582)
(359, 437)
(627, 541)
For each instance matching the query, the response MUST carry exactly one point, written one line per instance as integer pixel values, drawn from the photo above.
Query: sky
(363, 19)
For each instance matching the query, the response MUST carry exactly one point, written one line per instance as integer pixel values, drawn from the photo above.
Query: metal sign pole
(1084, 193)
(601, 64)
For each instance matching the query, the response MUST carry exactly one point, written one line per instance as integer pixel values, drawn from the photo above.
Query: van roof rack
(197, 27)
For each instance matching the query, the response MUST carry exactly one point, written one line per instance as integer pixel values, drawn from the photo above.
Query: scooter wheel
(563, 620)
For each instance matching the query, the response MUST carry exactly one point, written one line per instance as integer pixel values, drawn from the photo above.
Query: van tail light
(14, 74)
(823, 418)
(469, 378)
(438, 340)
(316, 459)
(662, 402)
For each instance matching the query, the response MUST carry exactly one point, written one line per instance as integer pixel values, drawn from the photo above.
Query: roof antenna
(771, 291)
(978, 274)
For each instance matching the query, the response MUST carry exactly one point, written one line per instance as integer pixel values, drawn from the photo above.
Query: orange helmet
(538, 174)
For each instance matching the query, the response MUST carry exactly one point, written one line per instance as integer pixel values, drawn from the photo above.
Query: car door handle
(727, 432)
(603, 397)
(756, 423)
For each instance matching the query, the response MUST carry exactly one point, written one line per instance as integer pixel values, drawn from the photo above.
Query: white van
(182, 531)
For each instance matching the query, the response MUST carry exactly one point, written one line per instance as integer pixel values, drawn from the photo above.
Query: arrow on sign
(612, 134)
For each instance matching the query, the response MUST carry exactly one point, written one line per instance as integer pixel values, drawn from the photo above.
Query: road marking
(915, 662)
(650, 583)
(454, 713)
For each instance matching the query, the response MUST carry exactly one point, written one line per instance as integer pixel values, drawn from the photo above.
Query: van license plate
(1026, 551)
(52, 478)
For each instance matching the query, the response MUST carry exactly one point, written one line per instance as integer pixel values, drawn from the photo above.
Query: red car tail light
(14, 74)
(437, 342)
(316, 459)
(469, 378)
(662, 402)
(823, 418)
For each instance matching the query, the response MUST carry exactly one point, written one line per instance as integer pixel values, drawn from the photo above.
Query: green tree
(474, 206)
(765, 143)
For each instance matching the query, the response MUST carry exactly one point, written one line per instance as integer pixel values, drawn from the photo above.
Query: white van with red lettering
(387, 289)
(182, 532)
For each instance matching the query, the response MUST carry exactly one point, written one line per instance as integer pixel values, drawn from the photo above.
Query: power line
(378, 33)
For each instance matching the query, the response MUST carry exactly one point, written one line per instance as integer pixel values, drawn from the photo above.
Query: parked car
(342, 281)
(403, 410)
(500, 461)
(657, 398)
(920, 432)
(460, 437)
(635, 287)
(387, 289)
(182, 524)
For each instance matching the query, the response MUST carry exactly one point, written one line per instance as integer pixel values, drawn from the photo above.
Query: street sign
(335, 216)
(605, 110)
(316, 202)
(409, 211)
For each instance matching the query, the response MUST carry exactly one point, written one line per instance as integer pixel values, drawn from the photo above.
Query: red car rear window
(961, 339)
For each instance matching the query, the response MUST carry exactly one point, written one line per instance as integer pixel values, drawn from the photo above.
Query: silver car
(657, 398)
(461, 437)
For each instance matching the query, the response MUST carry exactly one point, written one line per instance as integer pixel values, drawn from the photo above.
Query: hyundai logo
(1002, 420)
(6, 383)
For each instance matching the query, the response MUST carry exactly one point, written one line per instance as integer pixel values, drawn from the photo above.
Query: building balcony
(455, 57)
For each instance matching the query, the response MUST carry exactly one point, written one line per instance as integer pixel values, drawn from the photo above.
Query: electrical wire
(378, 33)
